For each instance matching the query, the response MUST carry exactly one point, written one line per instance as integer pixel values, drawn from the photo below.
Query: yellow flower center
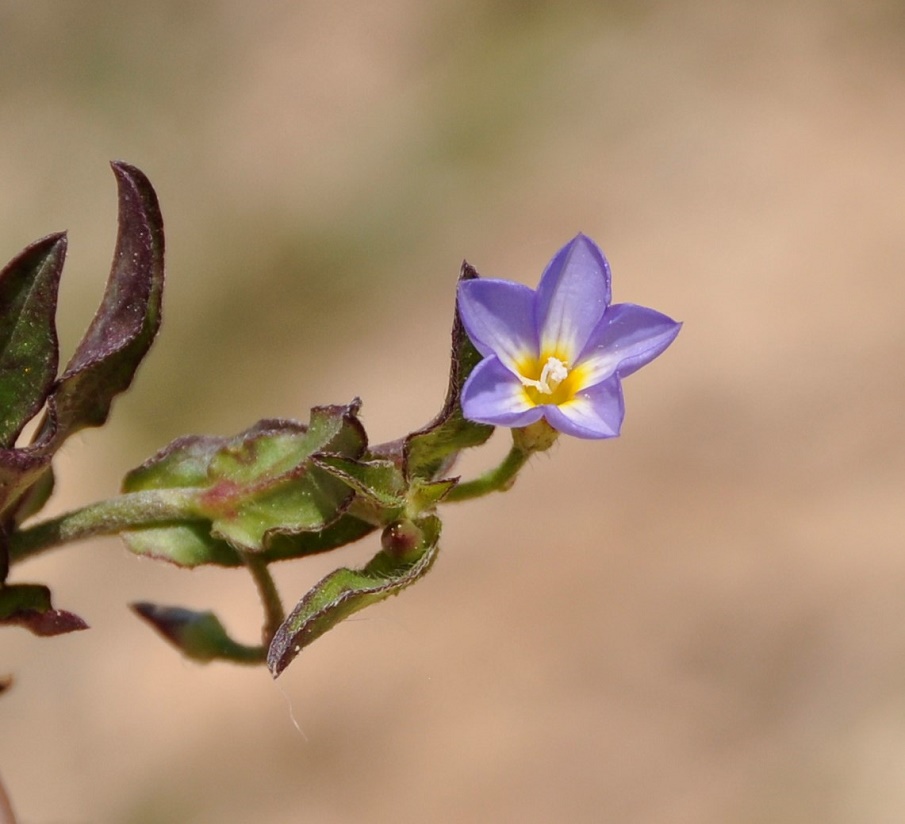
(548, 381)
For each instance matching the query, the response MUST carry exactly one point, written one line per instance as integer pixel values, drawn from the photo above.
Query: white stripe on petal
(573, 294)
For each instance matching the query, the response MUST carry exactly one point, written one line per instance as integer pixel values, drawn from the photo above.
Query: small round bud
(401, 538)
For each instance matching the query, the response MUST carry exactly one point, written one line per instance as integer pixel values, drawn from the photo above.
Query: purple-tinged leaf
(28, 338)
(198, 635)
(29, 606)
(269, 484)
(264, 482)
(35, 496)
(346, 591)
(431, 450)
(20, 469)
(129, 315)
(251, 488)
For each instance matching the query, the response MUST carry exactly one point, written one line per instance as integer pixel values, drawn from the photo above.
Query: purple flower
(560, 352)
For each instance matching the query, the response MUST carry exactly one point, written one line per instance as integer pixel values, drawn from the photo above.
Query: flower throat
(542, 389)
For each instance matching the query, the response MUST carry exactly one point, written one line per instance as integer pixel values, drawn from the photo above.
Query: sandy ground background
(702, 621)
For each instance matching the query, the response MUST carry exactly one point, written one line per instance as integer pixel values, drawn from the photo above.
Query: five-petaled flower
(560, 352)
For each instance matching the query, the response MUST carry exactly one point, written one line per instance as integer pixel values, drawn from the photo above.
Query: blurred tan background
(702, 621)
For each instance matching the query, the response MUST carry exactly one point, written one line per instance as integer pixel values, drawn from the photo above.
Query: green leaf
(28, 367)
(380, 482)
(198, 635)
(344, 530)
(106, 359)
(346, 591)
(306, 500)
(429, 452)
(425, 495)
(250, 488)
(128, 318)
(186, 545)
(181, 464)
(29, 606)
(28, 337)
(268, 450)
(265, 482)
(191, 545)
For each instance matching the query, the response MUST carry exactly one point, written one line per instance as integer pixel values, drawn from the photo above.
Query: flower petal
(499, 318)
(492, 394)
(627, 338)
(595, 413)
(573, 294)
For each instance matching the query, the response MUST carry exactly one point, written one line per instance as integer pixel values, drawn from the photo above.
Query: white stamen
(551, 376)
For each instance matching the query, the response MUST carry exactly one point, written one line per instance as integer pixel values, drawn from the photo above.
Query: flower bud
(401, 538)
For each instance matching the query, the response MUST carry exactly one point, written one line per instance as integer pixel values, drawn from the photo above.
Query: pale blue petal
(499, 318)
(594, 413)
(492, 394)
(627, 338)
(573, 294)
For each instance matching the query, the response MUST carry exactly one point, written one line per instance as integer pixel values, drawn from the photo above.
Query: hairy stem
(274, 614)
(495, 480)
(129, 511)
(245, 654)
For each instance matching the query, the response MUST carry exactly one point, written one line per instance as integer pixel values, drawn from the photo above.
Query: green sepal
(346, 591)
(29, 606)
(198, 635)
(430, 451)
(28, 339)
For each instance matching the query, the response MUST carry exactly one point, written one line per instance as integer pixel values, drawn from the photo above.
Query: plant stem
(245, 654)
(495, 480)
(274, 614)
(129, 511)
